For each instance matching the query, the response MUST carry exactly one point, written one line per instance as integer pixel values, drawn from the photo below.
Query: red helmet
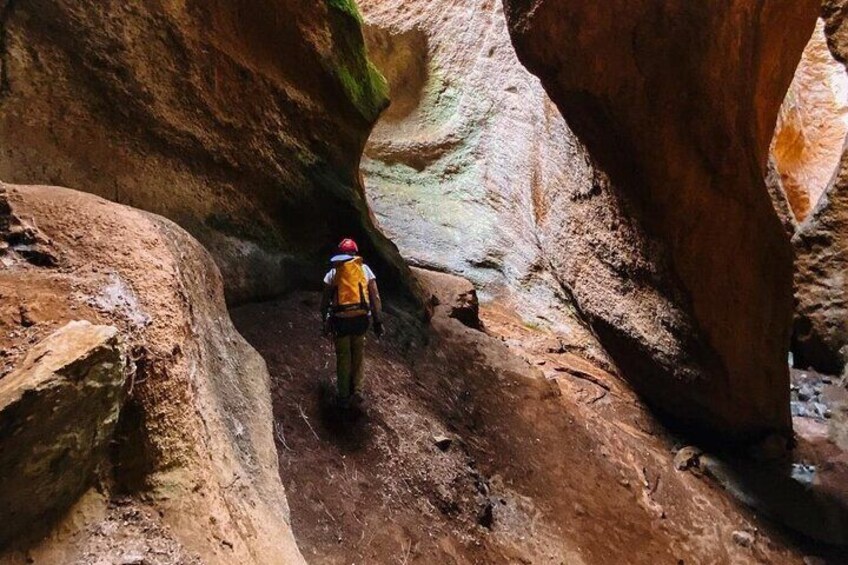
(348, 246)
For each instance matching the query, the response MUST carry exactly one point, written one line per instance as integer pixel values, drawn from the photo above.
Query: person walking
(350, 303)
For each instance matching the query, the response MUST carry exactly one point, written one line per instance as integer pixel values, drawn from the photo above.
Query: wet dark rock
(772, 448)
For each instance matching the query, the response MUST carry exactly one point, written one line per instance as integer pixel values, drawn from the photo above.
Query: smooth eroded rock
(242, 122)
(58, 412)
(194, 440)
(820, 333)
(811, 126)
(677, 101)
(473, 171)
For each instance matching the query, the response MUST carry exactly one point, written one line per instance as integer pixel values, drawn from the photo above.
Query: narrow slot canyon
(609, 238)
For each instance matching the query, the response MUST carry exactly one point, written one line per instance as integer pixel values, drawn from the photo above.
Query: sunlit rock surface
(811, 126)
(820, 337)
(682, 116)
(472, 170)
(461, 168)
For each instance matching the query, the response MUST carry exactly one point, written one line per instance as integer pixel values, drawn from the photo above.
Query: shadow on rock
(789, 492)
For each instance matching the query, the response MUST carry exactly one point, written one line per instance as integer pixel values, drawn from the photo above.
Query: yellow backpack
(351, 289)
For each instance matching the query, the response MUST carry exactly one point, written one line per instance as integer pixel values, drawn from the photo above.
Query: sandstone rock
(443, 442)
(244, 123)
(19, 240)
(820, 337)
(681, 117)
(772, 448)
(195, 438)
(743, 539)
(58, 412)
(820, 332)
(834, 12)
(454, 293)
(779, 199)
(811, 126)
(463, 166)
(687, 458)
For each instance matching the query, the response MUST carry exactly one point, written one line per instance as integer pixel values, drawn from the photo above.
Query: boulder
(455, 294)
(687, 458)
(58, 413)
(194, 441)
(677, 101)
(242, 122)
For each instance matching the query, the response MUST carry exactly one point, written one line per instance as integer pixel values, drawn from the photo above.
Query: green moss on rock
(348, 7)
(364, 85)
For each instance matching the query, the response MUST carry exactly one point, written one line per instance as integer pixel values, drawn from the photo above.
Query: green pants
(350, 351)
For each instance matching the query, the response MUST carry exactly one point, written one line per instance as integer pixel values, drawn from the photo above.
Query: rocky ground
(482, 447)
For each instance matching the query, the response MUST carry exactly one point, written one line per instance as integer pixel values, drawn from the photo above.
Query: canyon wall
(820, 337)
(678, 101)
(182, 441)
(242, 122)
(473, 170)
(811, 126)
(459, 168)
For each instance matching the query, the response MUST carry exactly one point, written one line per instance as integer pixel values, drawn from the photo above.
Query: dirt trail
(552, 460)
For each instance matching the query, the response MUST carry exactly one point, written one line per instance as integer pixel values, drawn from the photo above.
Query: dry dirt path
(551, 459)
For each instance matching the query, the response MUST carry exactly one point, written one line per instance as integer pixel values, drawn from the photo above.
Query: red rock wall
(820, 337)
(678, 101)
(811, 126)
(242, 121)
(194, 441)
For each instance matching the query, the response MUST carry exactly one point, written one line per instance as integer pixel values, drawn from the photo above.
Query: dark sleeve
(376, 303)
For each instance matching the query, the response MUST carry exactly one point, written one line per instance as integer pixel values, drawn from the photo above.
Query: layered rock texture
(459, 168)
(242, 123)
(58, 412)
(483, 178)
(811, 126)
(678, 102)
(820, 337)
(193, 438)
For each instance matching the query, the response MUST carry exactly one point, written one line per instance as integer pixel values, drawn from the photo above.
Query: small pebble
(743, 539)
